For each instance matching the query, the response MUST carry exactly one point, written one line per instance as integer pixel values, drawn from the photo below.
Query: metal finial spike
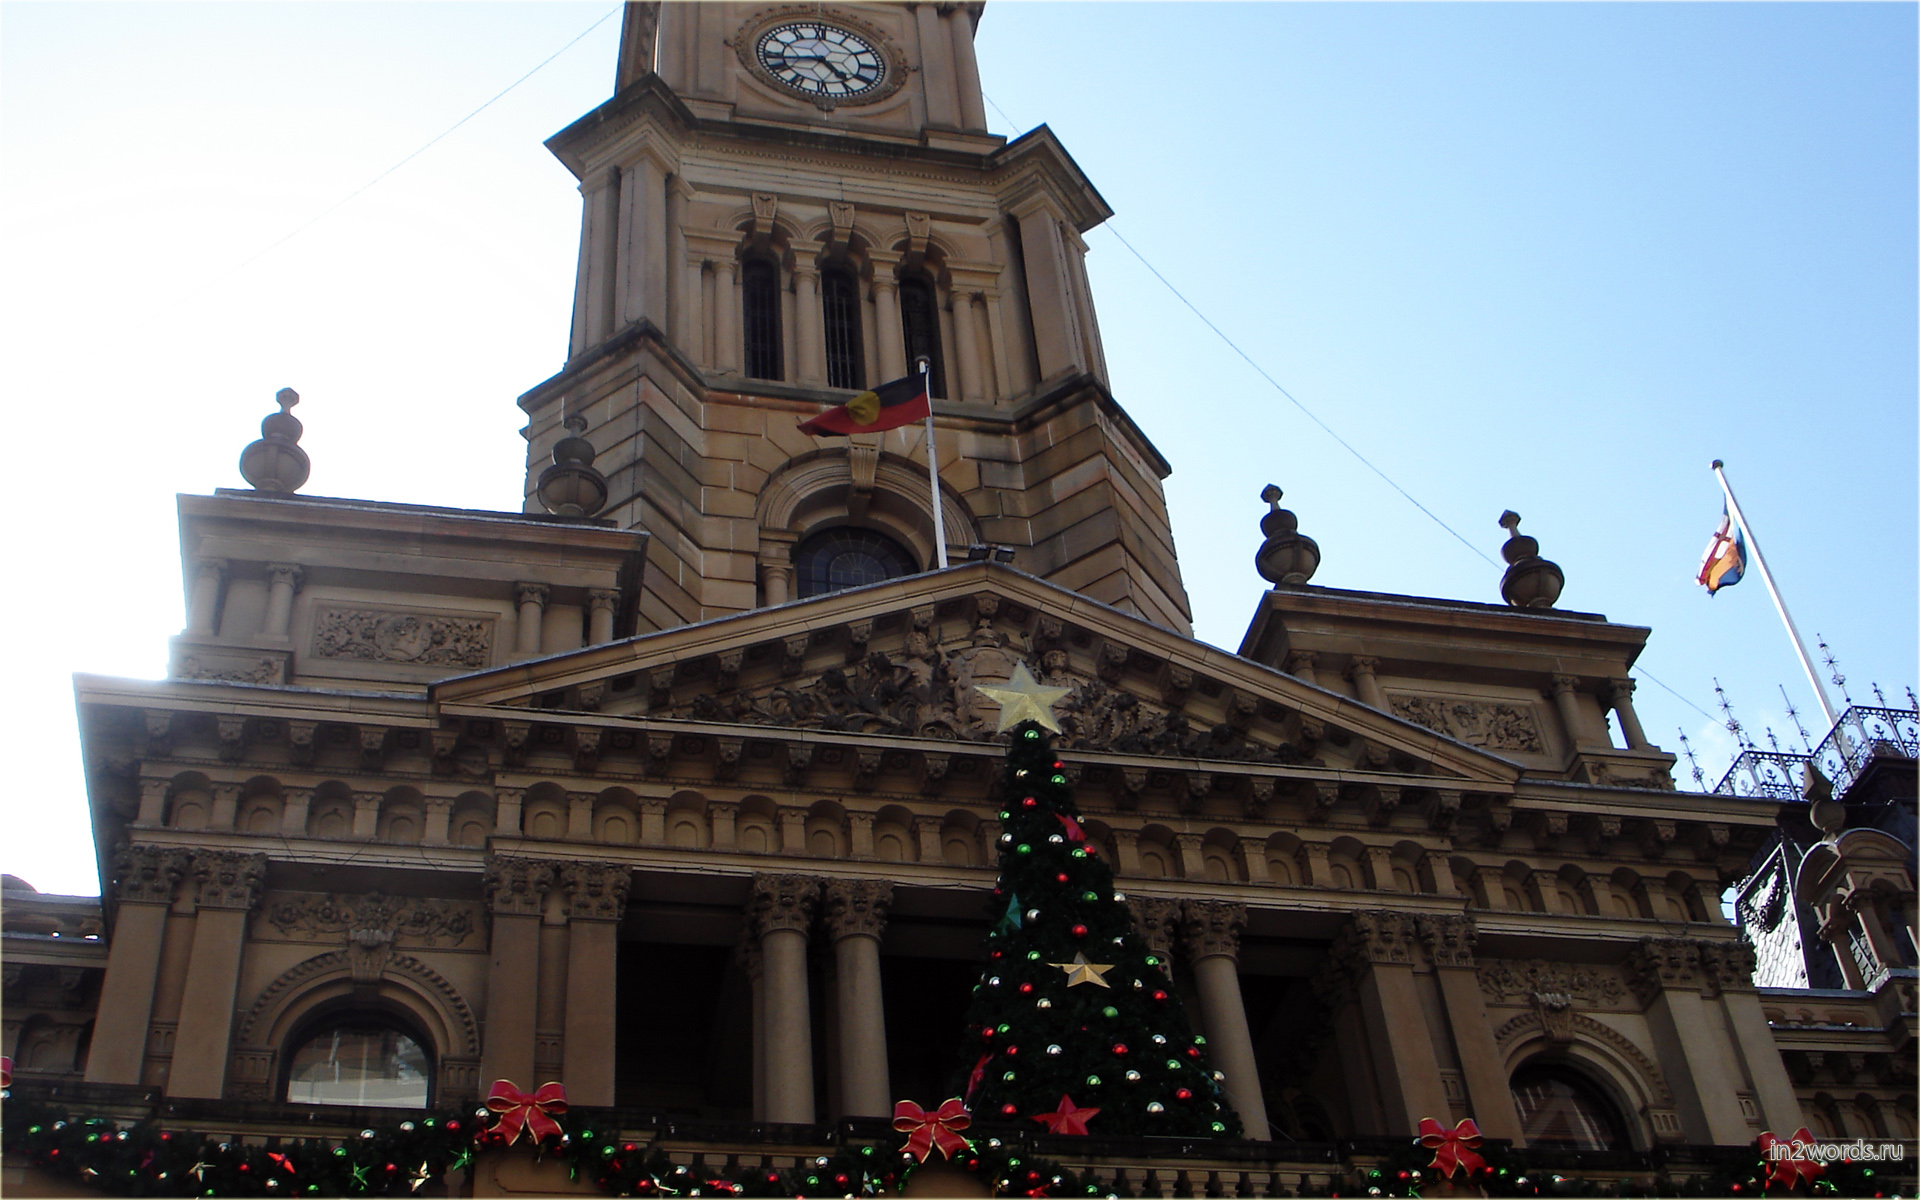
(1272, 494)
(1733, 723)
(1794, 714)
(1686, 747)
(1839, 680)
(1879, 697)
(1772, 740)
(1510, 520)
(1913, 701)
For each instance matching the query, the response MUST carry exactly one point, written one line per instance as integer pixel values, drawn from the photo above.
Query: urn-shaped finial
(571, 487)
(1287, 556)
(276, 463)
(1530, 581)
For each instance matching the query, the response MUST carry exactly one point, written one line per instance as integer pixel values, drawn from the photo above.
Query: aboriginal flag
(888, 406)
(1726, 558)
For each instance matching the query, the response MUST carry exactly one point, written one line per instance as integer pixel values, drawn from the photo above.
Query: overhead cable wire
(442, 136)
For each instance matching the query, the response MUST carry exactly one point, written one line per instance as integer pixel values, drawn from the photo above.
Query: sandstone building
(675, 785)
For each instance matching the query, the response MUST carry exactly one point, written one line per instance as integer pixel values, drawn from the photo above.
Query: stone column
(204, 603)
(810, 353)
(1566, 700)
(580, 816)
(516, 890)
(532, 599)
(776, 565)
(859, 835)
(283, 580)
(748, 954)
(966, 346)
(1376, 951)
(726, 317)
(1361, 672)
(892, 349)
(1301, 664)
(603, 205)
(1319, 869)
(641, 255)
(1193, 864)
(153, 801)
(653, 822)
(601, 603)
(856, 912)
(144, 878)
(942, 106)
(1043, 252)
(1213, 930)
(724, 816)
(1668, 976)
(780, 911)
(998, 347)
(966, 70)
(596, 900)
(683, 278)
(1449, 943)
(294, 805)
(226, 806)
(1489, 886)
(1621, 692)
(228, 885)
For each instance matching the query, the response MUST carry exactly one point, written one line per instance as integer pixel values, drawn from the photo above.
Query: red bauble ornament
(1006, 1110)
(1119, 1047)
(1193, 1052)
(1061, 877)
(1182, 1094)
(1079, 931)
(1026, 989)
(1029, 802)
(1161, 996)
(1012, 1050)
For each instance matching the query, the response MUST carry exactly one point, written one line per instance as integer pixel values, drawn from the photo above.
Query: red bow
(1793, 1165)
(6, 1072)
(1452, 1149)
(926, 1130)
(979, 1072)
(518, 1110)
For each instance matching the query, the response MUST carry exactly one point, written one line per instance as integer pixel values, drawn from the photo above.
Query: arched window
(364, 1060)
(920, 327)
(840, 311)
(760, 322)
(845, 557)
(1561, 1107)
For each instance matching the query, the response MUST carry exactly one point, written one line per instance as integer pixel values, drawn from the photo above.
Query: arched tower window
(760, 320)
(360, 1059)
(844, 557)
(1561, 1107)
(840, 311)
(920, 327)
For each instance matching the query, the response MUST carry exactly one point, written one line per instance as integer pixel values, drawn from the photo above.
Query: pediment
(901, 660)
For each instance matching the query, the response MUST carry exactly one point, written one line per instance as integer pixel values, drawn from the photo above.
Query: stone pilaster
(227, 886)
(516, 891)
(1671, 977)
(856, 913)
(1449, 942)
(780, 911)
(1212, 932)
(1158, 922)
(144, 880)
(1375, 951)
(596, 899)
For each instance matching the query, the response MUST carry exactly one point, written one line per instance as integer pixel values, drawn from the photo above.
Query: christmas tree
(1075, 1022)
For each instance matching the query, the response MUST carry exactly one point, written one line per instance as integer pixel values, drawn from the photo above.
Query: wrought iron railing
(1861, 734)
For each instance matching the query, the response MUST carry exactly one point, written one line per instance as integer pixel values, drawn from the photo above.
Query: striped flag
(1726, 557)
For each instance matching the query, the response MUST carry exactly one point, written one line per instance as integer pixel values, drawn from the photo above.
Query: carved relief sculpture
(1491, 726)
(370, 635)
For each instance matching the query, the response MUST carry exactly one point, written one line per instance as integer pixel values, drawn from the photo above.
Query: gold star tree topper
(1081, 971)
(1024, 699)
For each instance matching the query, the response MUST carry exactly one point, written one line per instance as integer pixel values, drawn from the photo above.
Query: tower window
(920, 326)
(760, 323)
(1561, 1107)
(840, 308)
(360, 1061)
(844, 558)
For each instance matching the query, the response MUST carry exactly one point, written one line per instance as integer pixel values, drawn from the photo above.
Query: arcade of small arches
(758, 824)
(844, 305)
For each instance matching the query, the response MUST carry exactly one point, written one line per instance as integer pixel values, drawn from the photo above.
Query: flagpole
(1766, 577)
(933, 468)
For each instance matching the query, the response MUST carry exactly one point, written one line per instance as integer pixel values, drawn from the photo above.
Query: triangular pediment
(900, 660)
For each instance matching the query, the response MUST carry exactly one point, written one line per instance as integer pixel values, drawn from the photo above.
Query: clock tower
(787, 204)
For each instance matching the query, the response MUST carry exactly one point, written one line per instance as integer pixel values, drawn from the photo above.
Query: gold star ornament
(1023, 699)
(1081, 971)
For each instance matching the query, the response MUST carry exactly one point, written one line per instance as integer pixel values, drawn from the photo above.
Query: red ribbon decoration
(6, 1072)
(927, 1130)
(1452, 1149)
(534, 1113)
(978, 1073)
(1793, 1170)
(282, 1160)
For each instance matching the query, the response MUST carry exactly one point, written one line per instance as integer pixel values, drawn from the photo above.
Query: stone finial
(276, 463)
(571, 487)
(1287, 556)
(1530, 581)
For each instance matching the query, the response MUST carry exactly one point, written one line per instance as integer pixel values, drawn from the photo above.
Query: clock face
(820, 60)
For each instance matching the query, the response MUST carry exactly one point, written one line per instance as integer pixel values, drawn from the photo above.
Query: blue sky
(1550, 257)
